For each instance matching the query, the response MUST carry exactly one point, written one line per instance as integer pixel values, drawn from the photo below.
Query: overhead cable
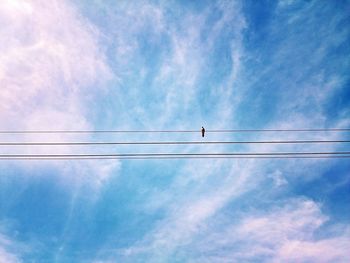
(177, 157)
(175, 131)
(173, 154)
(170, 142)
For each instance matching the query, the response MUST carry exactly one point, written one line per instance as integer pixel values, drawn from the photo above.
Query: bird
(203, 131)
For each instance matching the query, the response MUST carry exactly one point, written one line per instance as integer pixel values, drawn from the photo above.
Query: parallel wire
(169, 143)
(178, 157)
(254, 155)
(175, 131)
(173, 154)
(284, 130)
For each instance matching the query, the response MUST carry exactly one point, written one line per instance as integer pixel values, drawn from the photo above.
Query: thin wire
(169, 143)
(284, 130)
(172, 154)
(104, 131)
(177, 157)
(177, 131)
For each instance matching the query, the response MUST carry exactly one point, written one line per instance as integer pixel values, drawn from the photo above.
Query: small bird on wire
(203, 131)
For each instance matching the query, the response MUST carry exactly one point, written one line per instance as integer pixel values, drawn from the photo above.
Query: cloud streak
(195, 197)
(51, 67)
(155, 66)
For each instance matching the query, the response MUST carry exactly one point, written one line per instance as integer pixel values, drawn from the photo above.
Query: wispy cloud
(286, 233)
(200, 191)
(9, 250)
(50, 68)
(169, 66)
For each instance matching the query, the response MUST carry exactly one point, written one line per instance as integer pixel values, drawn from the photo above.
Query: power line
(176, 157)
(102, 131)
(283, 130)
(172, 154)
(169, 142)
(175, 131)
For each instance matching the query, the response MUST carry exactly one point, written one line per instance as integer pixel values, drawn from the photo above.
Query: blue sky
(147, 65)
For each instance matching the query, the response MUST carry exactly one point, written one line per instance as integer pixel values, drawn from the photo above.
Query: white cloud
(278, 178)
(7, 248)
(46, 79)
(327, 250)
(298, 219)
(200, 189)
(7, 257)
(51, 67)
(284, 234)
(49, 59)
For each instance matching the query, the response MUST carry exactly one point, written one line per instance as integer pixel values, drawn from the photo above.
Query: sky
(174, 65)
